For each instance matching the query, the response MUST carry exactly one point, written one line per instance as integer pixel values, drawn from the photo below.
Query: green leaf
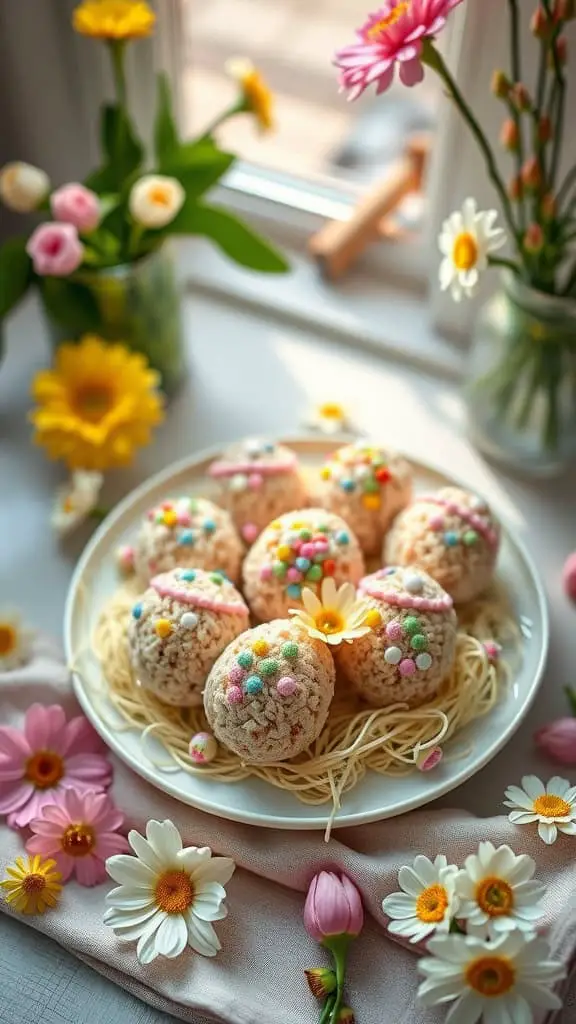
(571, 695)
(166, 139)
(70, 304)
(123, 151)
(234, 237)
(198, 166)
(103, 180)
(15, 273)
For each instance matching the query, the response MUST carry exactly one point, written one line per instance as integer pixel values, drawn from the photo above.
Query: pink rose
(558, 740)
(77, 205)
(55, 249)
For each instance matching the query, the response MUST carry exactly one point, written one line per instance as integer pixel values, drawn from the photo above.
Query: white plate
(253, 800)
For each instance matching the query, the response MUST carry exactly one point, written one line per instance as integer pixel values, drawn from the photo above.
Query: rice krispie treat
(258, 481)
(267, 697)
(453, 535)
(367, 486)
(178, 628)
(187, 532)
(410, 653)
(298, 550)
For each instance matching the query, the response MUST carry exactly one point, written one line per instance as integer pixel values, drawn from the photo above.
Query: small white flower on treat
(497, 982)
(466, 239)
(167, 894)
(329, 418)
(552, 805)
(75, 500)
(15, 641)
(338, 617)
(428, 901)
(498, 892)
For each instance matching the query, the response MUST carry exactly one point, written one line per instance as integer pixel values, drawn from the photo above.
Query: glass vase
(521, 382)
(136, 304)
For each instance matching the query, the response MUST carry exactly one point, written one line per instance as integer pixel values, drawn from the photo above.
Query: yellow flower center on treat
(170, 518)
(34, 883)
(551, 806)
(331, 411)
(373, 619)
(431, 904)
(8, 639)
(163, 628)
(260, 647)
(93, 401)
(78, 840)
(44, 769)
(371, 501)
(174, 892)
(494, 896)
(465, 251)
(491, 975)
(390, 19)
(329, 620)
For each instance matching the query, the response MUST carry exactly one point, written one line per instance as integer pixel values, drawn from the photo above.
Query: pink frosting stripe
(197, 600)
(468, 515)
(369, 585)
(223, 469)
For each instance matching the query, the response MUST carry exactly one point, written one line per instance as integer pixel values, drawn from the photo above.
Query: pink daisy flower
(50, 755)
(394, 33)
(78, 830)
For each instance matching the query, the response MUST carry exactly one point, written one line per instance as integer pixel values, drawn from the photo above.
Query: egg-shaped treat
(187, 532)
(407, 656)
(298, 550)
(267, 697)
(258, 481)
(177, 630)
(453, 535)
(367, 486)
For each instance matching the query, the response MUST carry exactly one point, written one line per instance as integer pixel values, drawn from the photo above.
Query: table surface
(250, 375)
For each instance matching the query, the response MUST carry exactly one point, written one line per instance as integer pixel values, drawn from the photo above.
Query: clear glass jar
(521, 383)
(137, 304)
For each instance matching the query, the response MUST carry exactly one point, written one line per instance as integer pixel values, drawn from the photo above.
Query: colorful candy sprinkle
(436, 522)
(268, 666)
(189, 620)
(137, 610)
(394, 630)
(372, 502)
(348, 485)
(414, 583)
(419, 642)
(187, 538)
(260, 647)
(217, 578)
(245, 659)
(236, 675)
(286, 686)
(411, 624)
(423, 662)
(188, 575)
(209, 526)
(238, 483)
(392, 655)
(163, 627)
(407, 667)
(289, 649)
(170, 518)
(470, 538)
(303, 564)
(373, 618)
(450, 539)
(280, 569)
(294, 574)
(342, 537)
(294, 590)
(253, 685)
(255, 481)
(266, 572)
(125, 559)
(234, 695)
(249, 532)
(203, 748)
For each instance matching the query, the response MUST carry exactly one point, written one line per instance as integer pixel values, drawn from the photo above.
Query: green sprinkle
(305, 534)
(411, 624)
(419, 642)
(470, 537)
(245, 659)
(289, 649)
(370, 485)
(280, 569)
(323, 528)
(216, 577)
(314, 572)
(268, 666)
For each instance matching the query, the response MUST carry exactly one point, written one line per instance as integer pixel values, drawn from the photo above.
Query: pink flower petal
(411, 72)
(37, 727)
(54, 812)
(64, 864)
(10, 772)
(74, 805)
(88, 766)
(14, 744)
(81, 738)
(108, 844)
(14, 795)
(385, 81)
(90, 870)
(42, 827)
(56, 727)
(43, 844)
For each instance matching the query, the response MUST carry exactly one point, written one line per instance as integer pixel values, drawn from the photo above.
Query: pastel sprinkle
(279, 569)
(245, 659)
(268, 666)
(436, 522)
(419, 642)
(266, 572)
(286, 686)
(294, 575)
(394, 630)
(184, 519)
(255, 481)
(348, 485)
(407, 667)
(450, 539)
(253, 685)
(137, 611)
(470, 537)
(325, 473)
(314, 573)
(283, 552)
(492, 650)
(170, 518)
(234, 695)
(253, 447)
(189, 620)
(188, 575)
(203, 748)
(307, 550)
(320, 546)
(209, 526)
(260, 647)
(303, 564)
(249, 532)
(371, 502)
(187, 538)
(239, 482)
(305, 534)
(342, 537)
(289, 649)
(423, 661)
(414, 584)
(236, 675)
(411, 624)
(370, 486)
(217, 578)
(294, 590)
(163, 627)
(478, 504)
(392, 655)
(428, 759)
(373, 618)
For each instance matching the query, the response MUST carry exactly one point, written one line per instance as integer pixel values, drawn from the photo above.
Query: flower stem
(327, 1010)
(237, 108)
(338, 946)
(516, 75)
(500, 261)
(560, 97)
(98, 512)
(433, 59)
(571, 695)
(118, 71)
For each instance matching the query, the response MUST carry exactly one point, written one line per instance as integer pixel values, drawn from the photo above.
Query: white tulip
(155, 200)
(23, 187)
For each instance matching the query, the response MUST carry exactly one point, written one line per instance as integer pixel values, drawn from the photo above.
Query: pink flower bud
(544, 129)
(500, 85)
(516, 188)
(561, 47)
(346, 1016)
(569, 576)
(333, 907)
(540, 24)
(428, 759)
(55, 249)
(564, 10)
(533, 238)
(531, 174)
(509, 136)
(77, 205)
(558, 740)
(520, 97)
(321, 981)
(548, 207)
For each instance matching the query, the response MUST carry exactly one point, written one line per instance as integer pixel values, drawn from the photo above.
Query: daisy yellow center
(159, 196)
(174, 892)
(329, 621)
(551, 806)
(34, 883)
(78, 840)
(465, 251)
(491, 975)
(431, 904)
(92, 401)
(44, 769)
(331, 411)
(114, 19)
(390, 19)
(495, 897)
(8, 639)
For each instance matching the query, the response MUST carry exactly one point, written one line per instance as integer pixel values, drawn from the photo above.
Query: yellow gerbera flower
(96, 406)
(114, 19)
(257, 97)
(32, 885)
(338, 616)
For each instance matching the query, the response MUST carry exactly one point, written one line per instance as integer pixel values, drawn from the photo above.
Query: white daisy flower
(15, 641)
(428, 901)
(466, 239)
(552, 805)
(497, 892)
(497, 982)
(167, 895)
(338, 617)
(75, 500)
(329, 418)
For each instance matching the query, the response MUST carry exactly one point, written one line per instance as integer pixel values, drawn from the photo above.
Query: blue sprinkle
(268, 446)
(347, 485)
(209, 526)
(188, 575)
(293, 590)
(223, 575)
(303, 564)
(389, 571)
(450, 539)
(137, 610)
(187, 537)
(253, 685)
(342, 537)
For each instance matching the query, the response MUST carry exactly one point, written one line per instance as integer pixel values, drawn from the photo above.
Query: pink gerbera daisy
(393, 33)
(50, 755)
(79, 831)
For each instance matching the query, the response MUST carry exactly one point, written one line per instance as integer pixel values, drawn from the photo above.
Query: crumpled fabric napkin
(258, 976)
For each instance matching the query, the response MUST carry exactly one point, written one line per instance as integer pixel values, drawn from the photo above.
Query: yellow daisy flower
(257, 97)
(32, 885)
(114, 19)
(338, 616)
(96, 406)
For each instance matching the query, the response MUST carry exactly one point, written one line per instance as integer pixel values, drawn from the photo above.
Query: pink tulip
(333, 907)
(55, 249)
(77, 205)
(558, 740)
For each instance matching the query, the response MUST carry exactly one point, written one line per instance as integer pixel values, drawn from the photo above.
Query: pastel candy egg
(125, 559)
(423, 661)
(203, 748)
(189, 620)
(286, 686)
(249, 532)
(392, 655)
(255, 481)
(239, 482)
(413, 583)
(407, 667)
